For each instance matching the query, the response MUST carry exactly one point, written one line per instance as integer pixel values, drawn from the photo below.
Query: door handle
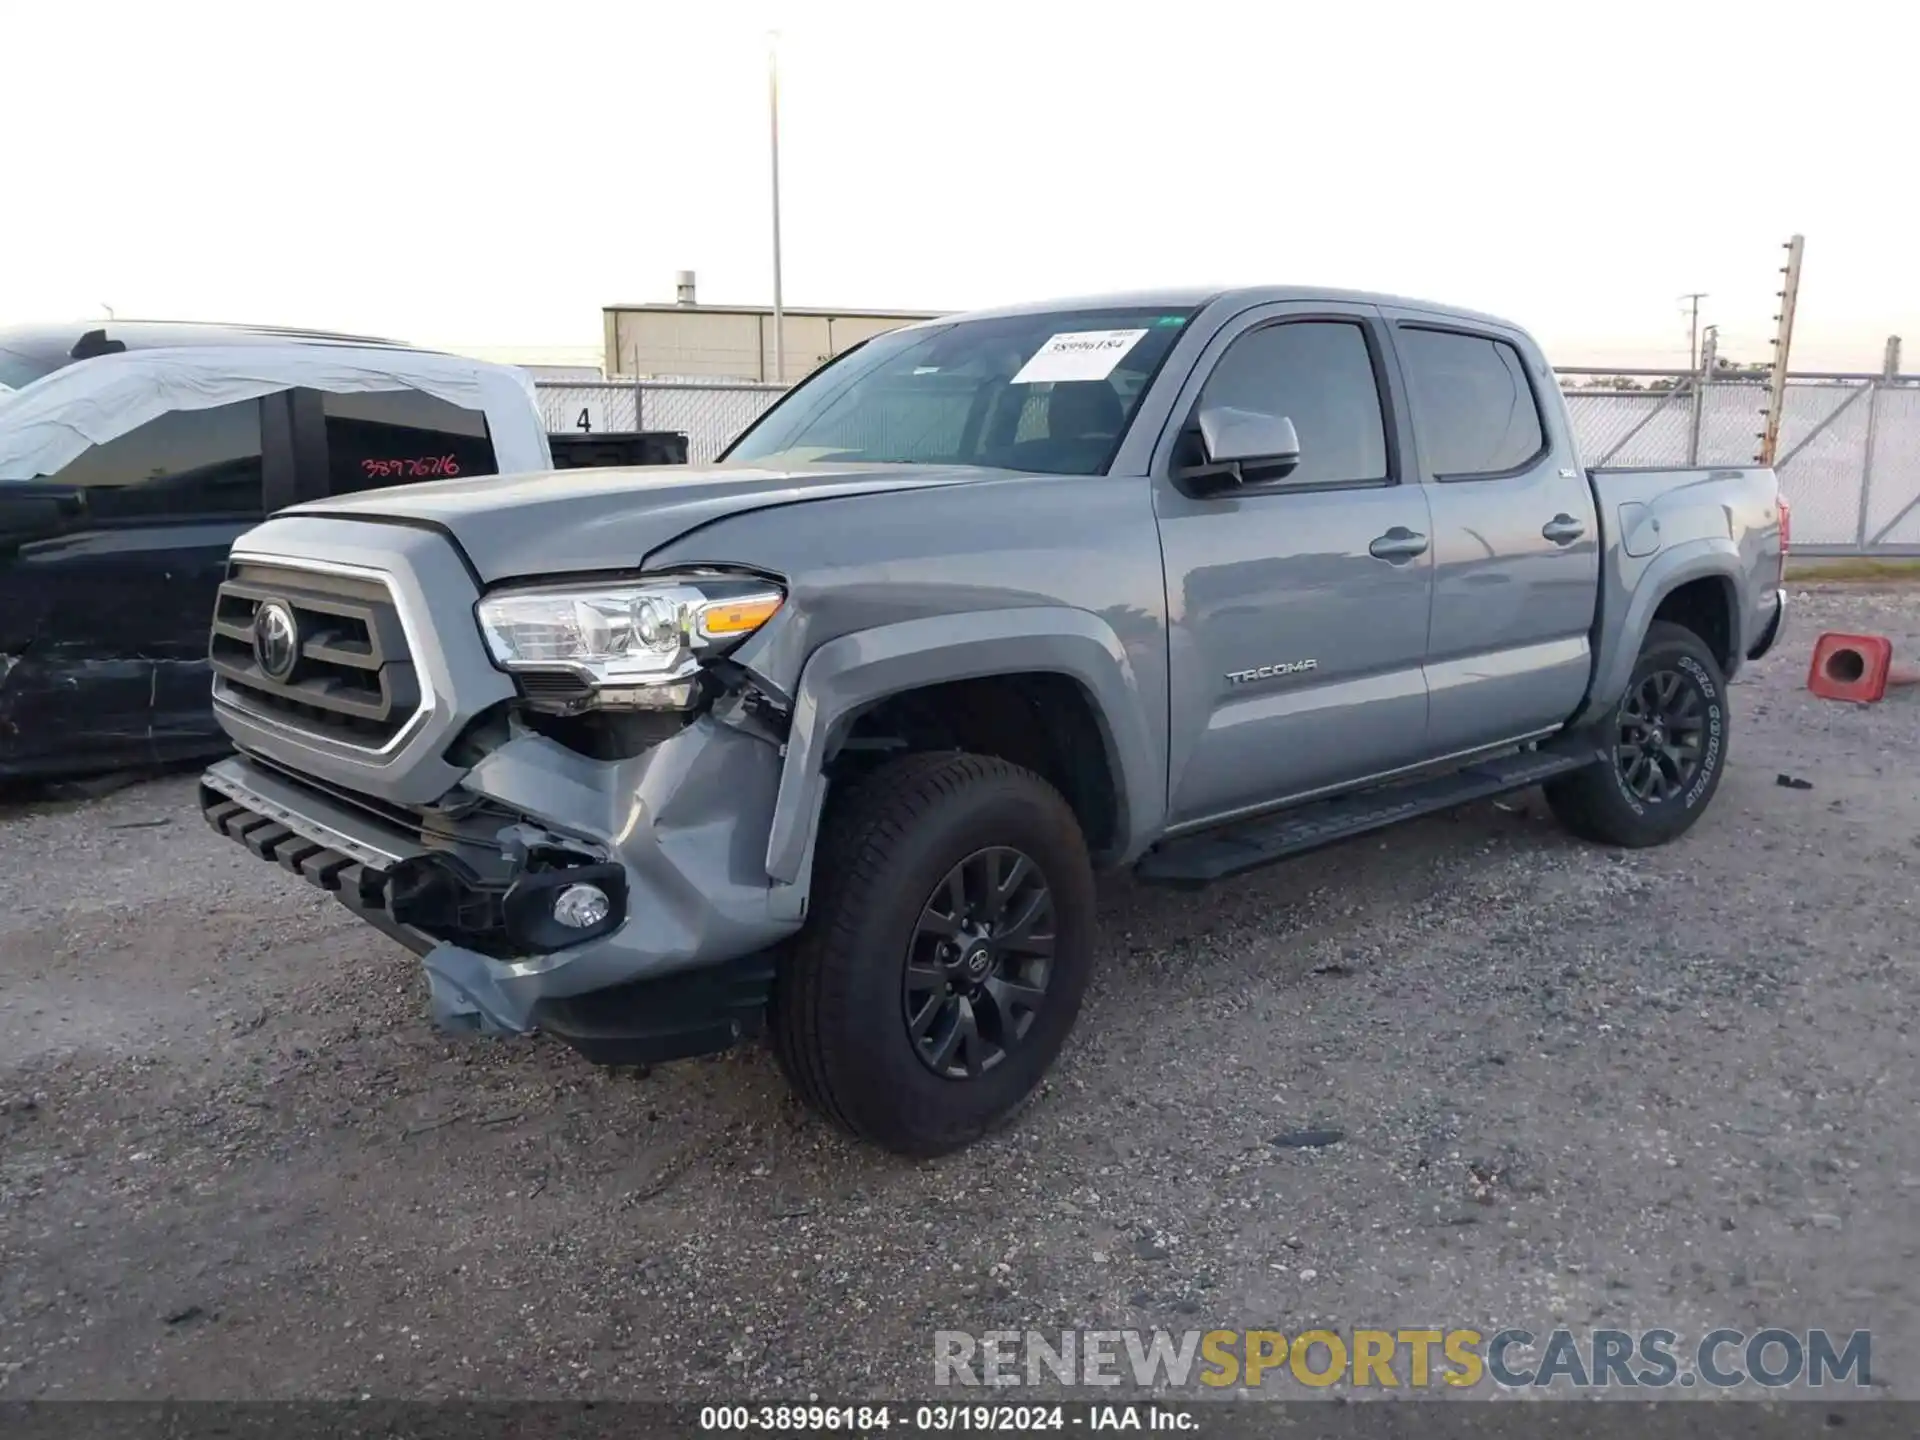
(1398, 545)
(1563, 529)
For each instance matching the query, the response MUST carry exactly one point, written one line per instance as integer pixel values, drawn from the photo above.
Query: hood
(570, 521)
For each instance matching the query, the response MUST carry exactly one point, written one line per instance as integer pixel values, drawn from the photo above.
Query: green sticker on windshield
(1171, 320)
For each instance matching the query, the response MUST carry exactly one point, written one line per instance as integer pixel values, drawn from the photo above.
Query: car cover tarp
(49, 423)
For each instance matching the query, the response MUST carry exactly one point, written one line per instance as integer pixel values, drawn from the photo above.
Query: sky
(487, 178)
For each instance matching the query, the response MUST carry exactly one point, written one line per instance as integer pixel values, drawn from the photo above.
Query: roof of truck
(29, 351)
(1193, 297)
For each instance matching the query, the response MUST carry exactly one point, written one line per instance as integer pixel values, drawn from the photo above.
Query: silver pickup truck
(831, 738)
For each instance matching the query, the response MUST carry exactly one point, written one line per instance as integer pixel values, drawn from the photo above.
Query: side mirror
(1232, 440)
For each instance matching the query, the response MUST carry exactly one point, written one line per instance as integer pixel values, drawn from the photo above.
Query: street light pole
(773, 115)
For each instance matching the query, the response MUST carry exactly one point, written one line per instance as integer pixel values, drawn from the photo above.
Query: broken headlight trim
(638, 645)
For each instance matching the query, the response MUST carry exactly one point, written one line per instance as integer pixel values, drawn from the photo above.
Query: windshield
(1050, 392)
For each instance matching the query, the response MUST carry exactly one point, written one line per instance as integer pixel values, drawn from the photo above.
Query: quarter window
(1318, 374)
(1473, 409)
(400, 437)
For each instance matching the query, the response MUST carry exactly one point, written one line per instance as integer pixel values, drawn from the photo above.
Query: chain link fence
(708, 414)
(1848, 455)
(1849, 450)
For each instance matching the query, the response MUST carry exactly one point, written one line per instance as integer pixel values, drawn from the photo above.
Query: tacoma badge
(1269, 672)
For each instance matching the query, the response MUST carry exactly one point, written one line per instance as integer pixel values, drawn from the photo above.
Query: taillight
(1786, 538)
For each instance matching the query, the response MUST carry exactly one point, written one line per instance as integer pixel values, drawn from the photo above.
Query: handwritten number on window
(426, 467)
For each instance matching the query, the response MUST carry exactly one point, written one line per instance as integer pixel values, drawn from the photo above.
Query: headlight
(621, 637)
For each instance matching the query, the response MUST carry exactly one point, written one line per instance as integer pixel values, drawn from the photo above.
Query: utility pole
(1693, 328)
(773, 116)
(1782, 342)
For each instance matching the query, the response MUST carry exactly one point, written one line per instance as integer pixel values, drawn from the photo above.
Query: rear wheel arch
(1709, 607)
(1704, 574)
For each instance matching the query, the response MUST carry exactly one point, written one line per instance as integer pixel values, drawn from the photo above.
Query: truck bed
(575, 451)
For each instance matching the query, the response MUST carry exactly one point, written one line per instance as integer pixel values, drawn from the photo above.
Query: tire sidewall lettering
(1716, 732)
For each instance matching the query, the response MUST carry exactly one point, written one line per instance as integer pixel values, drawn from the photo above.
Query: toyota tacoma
(829, 740)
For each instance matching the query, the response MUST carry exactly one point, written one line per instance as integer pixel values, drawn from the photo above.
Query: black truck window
(400, 437)
(181, 465)
(1473, 409)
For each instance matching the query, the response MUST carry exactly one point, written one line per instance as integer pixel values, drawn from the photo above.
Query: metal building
(687, 340)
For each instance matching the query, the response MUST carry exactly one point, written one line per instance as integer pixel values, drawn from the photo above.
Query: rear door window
(1473, 408)
(401, 437)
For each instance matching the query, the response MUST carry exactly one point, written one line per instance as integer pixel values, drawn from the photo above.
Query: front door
(1298, 603)
(107, 578)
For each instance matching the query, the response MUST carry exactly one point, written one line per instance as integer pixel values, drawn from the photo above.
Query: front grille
(352, 677)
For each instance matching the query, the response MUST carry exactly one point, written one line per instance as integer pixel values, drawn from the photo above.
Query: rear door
(1297, 602)
(1516, 558)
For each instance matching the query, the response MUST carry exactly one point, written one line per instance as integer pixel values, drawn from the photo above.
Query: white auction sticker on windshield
(1078, 355)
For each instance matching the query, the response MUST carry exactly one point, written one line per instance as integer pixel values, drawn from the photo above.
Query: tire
(857, 977)
(1619, 801)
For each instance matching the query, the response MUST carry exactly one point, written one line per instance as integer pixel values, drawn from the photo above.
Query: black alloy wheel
(978, 963)
(947, 946)
(1662, 736)
(1660, 756)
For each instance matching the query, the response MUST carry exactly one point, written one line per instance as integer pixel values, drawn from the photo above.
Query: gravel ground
(1667, 1088)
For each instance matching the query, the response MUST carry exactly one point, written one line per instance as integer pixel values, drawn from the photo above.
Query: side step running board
(1200, 859)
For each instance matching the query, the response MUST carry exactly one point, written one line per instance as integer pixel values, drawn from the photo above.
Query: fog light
(581, 907)
(549, 909)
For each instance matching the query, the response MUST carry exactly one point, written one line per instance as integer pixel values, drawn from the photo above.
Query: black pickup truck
(121, 491)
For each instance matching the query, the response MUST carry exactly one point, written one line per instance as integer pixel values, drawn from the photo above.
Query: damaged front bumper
(674, 839)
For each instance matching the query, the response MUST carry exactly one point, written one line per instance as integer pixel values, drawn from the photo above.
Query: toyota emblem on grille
(276, 639)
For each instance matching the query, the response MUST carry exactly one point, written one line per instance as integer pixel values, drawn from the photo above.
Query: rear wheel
(1669, 749)
(945, 956)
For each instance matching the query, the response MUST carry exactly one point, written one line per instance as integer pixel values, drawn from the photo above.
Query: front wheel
(945, 956)
(1669, 749)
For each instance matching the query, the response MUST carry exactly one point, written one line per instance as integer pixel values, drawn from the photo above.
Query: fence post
(1700, 393)
(1699, 387)
(1866, 465)
(639, 405)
